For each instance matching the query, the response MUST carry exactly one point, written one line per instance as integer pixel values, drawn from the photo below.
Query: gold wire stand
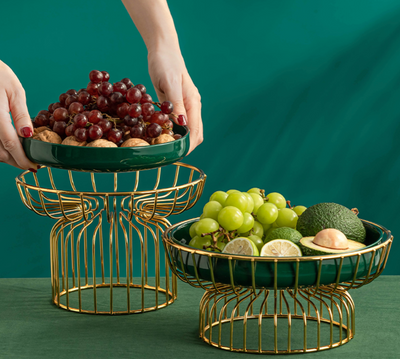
(275, 319)
(103, 238)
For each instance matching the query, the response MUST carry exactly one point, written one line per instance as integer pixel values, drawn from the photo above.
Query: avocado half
(331, 215)
(311, 249)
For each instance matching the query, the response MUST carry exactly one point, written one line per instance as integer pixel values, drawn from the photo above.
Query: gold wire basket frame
(255, 319)
(129, 223)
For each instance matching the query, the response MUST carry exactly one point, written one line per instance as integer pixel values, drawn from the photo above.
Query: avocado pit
(331, 238)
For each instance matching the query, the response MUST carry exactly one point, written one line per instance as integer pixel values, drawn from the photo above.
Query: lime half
(241, 245)
(280, 248)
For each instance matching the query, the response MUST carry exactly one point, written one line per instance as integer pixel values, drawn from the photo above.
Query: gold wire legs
(277, 322)
(92, 266)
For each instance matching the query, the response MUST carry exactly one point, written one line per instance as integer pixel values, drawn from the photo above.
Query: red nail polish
(32, 170)
(26, 131)
(39, 167)
(182, 120)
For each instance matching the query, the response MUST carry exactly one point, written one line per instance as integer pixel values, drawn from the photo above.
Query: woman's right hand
(12, 99)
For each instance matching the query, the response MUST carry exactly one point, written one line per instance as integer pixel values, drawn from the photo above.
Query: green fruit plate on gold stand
(251, 303)
(98, 159)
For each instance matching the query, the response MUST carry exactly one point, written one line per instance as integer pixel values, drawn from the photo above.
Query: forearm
(154, 22)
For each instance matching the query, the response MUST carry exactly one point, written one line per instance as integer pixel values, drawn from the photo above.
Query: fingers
(195, 124)
(173, 93)
(19, 112)
(11, 151)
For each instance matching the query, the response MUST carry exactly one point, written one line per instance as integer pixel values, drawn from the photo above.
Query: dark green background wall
(300, 97)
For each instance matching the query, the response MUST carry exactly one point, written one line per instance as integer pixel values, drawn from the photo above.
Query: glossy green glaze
(98, 159)
(285, 268)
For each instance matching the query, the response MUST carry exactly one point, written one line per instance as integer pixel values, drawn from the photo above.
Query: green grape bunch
(233, 214)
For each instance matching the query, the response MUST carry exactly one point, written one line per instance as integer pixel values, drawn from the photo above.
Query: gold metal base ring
(277, 322)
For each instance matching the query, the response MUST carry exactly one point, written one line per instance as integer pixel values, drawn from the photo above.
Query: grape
(220, 244)
(84, 97)
(81, 134)
(141, 88)
(105, 89)
(128, 83)
(116, 98)
(59, 127)
(230, 218)
(114, 135)
(277, 199)
(219, 196)
(75, 107)
(96, 76)
(177, 136)
(248, 223)
(102, 103)
(95, 132)
(211, 209)
(299, 209)
(153, 130)
(233, 191)
(167, 107)
(267, 226)
(287, 218)
(238, 200)
(60, 114)
(120, 87)
(133, 95)
(147, 109)
(106, 75)
(206, 225)
(130, 121)
(80, 120)
(167, 132)
(257, 241)
(200, 242)
(122, 109)
(93, 88)
(71, 99)
(168, 124)
(51, 121)
(71, 92)
(137, 131)
(258, 201)
(250, 202)
(105, 125)
(192, 230)
(156, 117)
(267, 213)
(50, 108)
(135, 110)
(62, 98)
(44, 112)
(94, 116)
(146, 98)
(56, 105)
(258, 229)
(69, 131)
(254, 190)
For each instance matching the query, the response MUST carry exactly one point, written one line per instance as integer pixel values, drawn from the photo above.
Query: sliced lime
(241, 245)
(280, 248)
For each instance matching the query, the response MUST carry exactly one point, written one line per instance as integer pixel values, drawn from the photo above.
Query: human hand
(172, 82)
(12, 99)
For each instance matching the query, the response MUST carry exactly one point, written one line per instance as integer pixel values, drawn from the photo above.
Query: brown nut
(101, 143)
(72, 141)
(40, 129)
(49, 136)
(135, 142)
(163, 138)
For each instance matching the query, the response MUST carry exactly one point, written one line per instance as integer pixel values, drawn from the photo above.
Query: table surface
(32, 327)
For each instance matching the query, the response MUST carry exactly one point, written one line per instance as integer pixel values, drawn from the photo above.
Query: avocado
(284, 233)
(331, 215)
(311, 249)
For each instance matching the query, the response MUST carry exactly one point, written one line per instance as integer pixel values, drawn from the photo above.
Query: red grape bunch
(112, 111)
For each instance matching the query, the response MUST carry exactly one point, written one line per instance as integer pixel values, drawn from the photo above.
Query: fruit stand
(108, 228)
(276, 305)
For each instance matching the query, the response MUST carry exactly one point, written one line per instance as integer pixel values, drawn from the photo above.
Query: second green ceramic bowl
(98, 159)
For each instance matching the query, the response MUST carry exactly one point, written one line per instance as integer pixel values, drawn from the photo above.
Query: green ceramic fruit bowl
(98, 159)
(358, 267)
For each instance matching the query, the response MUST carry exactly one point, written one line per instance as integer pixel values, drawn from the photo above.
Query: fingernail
(32, 170)
(39, 167)
(26, 131)
(182, 120)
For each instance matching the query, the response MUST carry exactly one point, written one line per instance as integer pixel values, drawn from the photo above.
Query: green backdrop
(301, 97)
